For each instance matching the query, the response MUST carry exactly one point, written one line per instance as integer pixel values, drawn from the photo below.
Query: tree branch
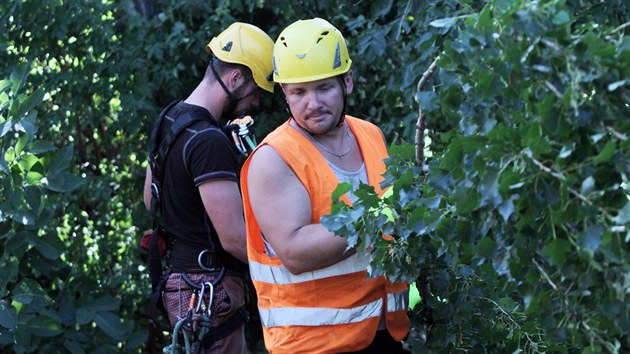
(420, 125)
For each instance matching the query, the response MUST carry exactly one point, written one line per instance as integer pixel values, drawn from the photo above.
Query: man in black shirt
(200, 199)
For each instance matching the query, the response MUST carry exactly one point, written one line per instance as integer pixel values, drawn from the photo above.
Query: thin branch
(553, 89)
(427, 74)
(575, 193)
(420, 125)
(510, 318)
(540, 165)
(621, 27)
(545, 275)
(617, 134)
(402, 19)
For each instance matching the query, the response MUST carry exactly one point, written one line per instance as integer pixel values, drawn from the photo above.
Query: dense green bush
(518, 233)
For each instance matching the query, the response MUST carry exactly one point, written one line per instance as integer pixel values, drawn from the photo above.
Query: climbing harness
(196, 326)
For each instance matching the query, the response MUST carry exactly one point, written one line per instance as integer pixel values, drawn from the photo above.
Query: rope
(175, 347)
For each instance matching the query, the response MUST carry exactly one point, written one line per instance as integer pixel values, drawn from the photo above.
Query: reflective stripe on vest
(280, 275)
(293, 316)
(398, 301)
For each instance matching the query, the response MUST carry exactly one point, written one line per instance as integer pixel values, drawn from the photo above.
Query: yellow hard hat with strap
(309, 50)
(245, 44)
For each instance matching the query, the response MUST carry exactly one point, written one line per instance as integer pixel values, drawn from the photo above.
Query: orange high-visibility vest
(329, 310)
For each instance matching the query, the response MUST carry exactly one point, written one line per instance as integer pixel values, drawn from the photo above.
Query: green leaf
(624, 215)
(4, 84)
(427, 100)
(615, 85)
(27, 290)
(556, 252)
(110, 324)
(27, 161)
(103, 304)
(84, 316)
(34, 178)
(27, 124)
(45, 326)
(136, 340)
(50, 246)
(33, 197)
(40, 146)
(7, 315)
(5, 127)
(592, 237)
(62, 182)
(19, 146)
(33, 100)
(506, 209)
(606, 153)
(59, 161)
(466, 199)
(587, 185)
(404, 150)
(19, 75)
(380, 8)
(444, 22)
(341, 189)
(561, 18)
(73, 347)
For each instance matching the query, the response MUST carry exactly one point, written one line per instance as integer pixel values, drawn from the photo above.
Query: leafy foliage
(517, 236)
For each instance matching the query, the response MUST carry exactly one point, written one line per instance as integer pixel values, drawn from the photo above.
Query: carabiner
(203, 288)
(201, 263)
(210, 297)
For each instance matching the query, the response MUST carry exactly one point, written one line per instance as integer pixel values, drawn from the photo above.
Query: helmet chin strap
(233, 99)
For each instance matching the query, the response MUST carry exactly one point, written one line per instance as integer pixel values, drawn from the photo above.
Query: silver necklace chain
(339, 156)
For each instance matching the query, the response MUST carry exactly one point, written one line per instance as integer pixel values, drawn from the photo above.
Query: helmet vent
(322, 36)
(284, 41)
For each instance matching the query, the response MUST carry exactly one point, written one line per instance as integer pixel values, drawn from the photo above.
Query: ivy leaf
(592, 237)
(561, 18)
(556, 252)
(444, 22)
(341, 189)
(624, 215)
(427, 100)
(506, 209)
(587, 185)
(606, 153)
(615, 85)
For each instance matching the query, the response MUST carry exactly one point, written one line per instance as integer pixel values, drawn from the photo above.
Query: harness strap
(157, 160)
(226, 328)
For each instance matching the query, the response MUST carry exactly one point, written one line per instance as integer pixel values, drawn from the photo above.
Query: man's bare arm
(222, 201)
(283, 210)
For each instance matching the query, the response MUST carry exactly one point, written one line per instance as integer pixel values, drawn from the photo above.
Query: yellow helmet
(309, 50)
(246, 44)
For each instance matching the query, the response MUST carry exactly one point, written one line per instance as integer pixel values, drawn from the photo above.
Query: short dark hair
(222, 67)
